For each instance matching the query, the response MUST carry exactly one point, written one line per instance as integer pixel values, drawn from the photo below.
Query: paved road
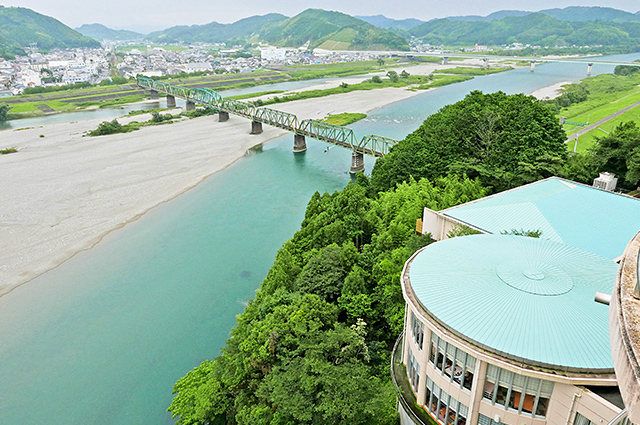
(599, 123)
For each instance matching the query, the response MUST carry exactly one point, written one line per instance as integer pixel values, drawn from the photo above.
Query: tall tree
(504, 140)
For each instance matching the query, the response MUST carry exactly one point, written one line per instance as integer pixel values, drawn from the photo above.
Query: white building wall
(562, 407)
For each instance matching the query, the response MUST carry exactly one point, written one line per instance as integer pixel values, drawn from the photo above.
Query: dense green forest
(313, 347)
(214, 32)
(319, 26)
(535, 29)
(312, 25)
(20, 26)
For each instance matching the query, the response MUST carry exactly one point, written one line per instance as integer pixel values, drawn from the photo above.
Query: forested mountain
(595, 13)
(20, 26)
(215, 32)
(535, 28)
(394, 24)
(571, 14)
(99, 32)
(491, 17)
(332, 30)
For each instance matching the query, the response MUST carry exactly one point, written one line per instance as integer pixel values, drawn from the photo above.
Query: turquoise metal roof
(520, 297)
(594, 220)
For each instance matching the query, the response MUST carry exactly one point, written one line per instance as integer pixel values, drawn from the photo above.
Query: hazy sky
(149, 15)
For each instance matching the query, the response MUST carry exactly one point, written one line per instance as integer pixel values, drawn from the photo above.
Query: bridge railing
(237, 107)
(329, 132)
(200, 95)
(206, 97)
(373, 145)
(276, 118)
(377, 145)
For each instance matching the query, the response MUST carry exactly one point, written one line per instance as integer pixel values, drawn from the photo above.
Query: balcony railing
(406, 397)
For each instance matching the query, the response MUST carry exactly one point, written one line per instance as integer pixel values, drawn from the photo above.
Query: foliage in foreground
(313, 347)
(504, 140)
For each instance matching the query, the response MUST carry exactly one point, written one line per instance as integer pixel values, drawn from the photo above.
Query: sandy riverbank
(63, 192)
(549, 92)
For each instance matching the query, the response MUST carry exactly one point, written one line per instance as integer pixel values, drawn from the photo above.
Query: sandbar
(550, 92)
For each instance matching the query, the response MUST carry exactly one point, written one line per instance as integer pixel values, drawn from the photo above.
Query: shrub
(107, 127)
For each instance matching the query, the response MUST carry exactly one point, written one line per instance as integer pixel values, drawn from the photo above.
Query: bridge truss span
(372, 145)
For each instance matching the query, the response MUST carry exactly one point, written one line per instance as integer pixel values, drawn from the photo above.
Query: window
(581, 420)
(413, 370)
(452, 362)
(485, 420)
(417, 328)
(444, 408)
(517, 392)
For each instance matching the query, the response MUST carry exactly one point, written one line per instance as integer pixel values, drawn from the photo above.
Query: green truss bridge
(372, 145)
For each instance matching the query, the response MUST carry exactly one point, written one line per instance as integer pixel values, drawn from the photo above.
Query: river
(102, 338)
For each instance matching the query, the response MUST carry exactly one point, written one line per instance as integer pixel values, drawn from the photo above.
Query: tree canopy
(617, 152)
(313, 347)
(504, 140)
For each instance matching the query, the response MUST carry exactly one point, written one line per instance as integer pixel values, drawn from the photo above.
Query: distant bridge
(486, 58)
(372, 145)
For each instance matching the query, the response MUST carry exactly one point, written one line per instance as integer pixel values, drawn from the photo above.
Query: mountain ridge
(21, 26)
(100, 32)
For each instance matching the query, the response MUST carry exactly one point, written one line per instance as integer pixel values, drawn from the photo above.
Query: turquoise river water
(102, 338)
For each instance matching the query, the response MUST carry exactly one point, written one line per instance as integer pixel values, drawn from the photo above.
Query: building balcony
(410, 412)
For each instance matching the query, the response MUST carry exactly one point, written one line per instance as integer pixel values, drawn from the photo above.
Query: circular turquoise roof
(527, 299)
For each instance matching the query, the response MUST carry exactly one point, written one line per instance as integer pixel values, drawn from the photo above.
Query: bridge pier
(256, 127)
(299, 143)
(357, 162)
(223, 116)
(171, 101)
(191, 106)
(153, 94)
(533, 66)
(589, 68)
(445, 60)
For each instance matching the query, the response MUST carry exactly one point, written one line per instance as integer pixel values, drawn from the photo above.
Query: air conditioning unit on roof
(606, 181)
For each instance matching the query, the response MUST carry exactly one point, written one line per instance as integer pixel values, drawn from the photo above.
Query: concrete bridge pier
(357, 162)
(191, 106)
(171, 101)
(153, 94)
(299, 143)
(589, 68)
(223, 116)
(256, 127)
(445, 60)
(533, 66)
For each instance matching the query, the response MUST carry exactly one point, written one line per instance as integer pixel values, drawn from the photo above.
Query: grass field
(587, 140)
(608, 94)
